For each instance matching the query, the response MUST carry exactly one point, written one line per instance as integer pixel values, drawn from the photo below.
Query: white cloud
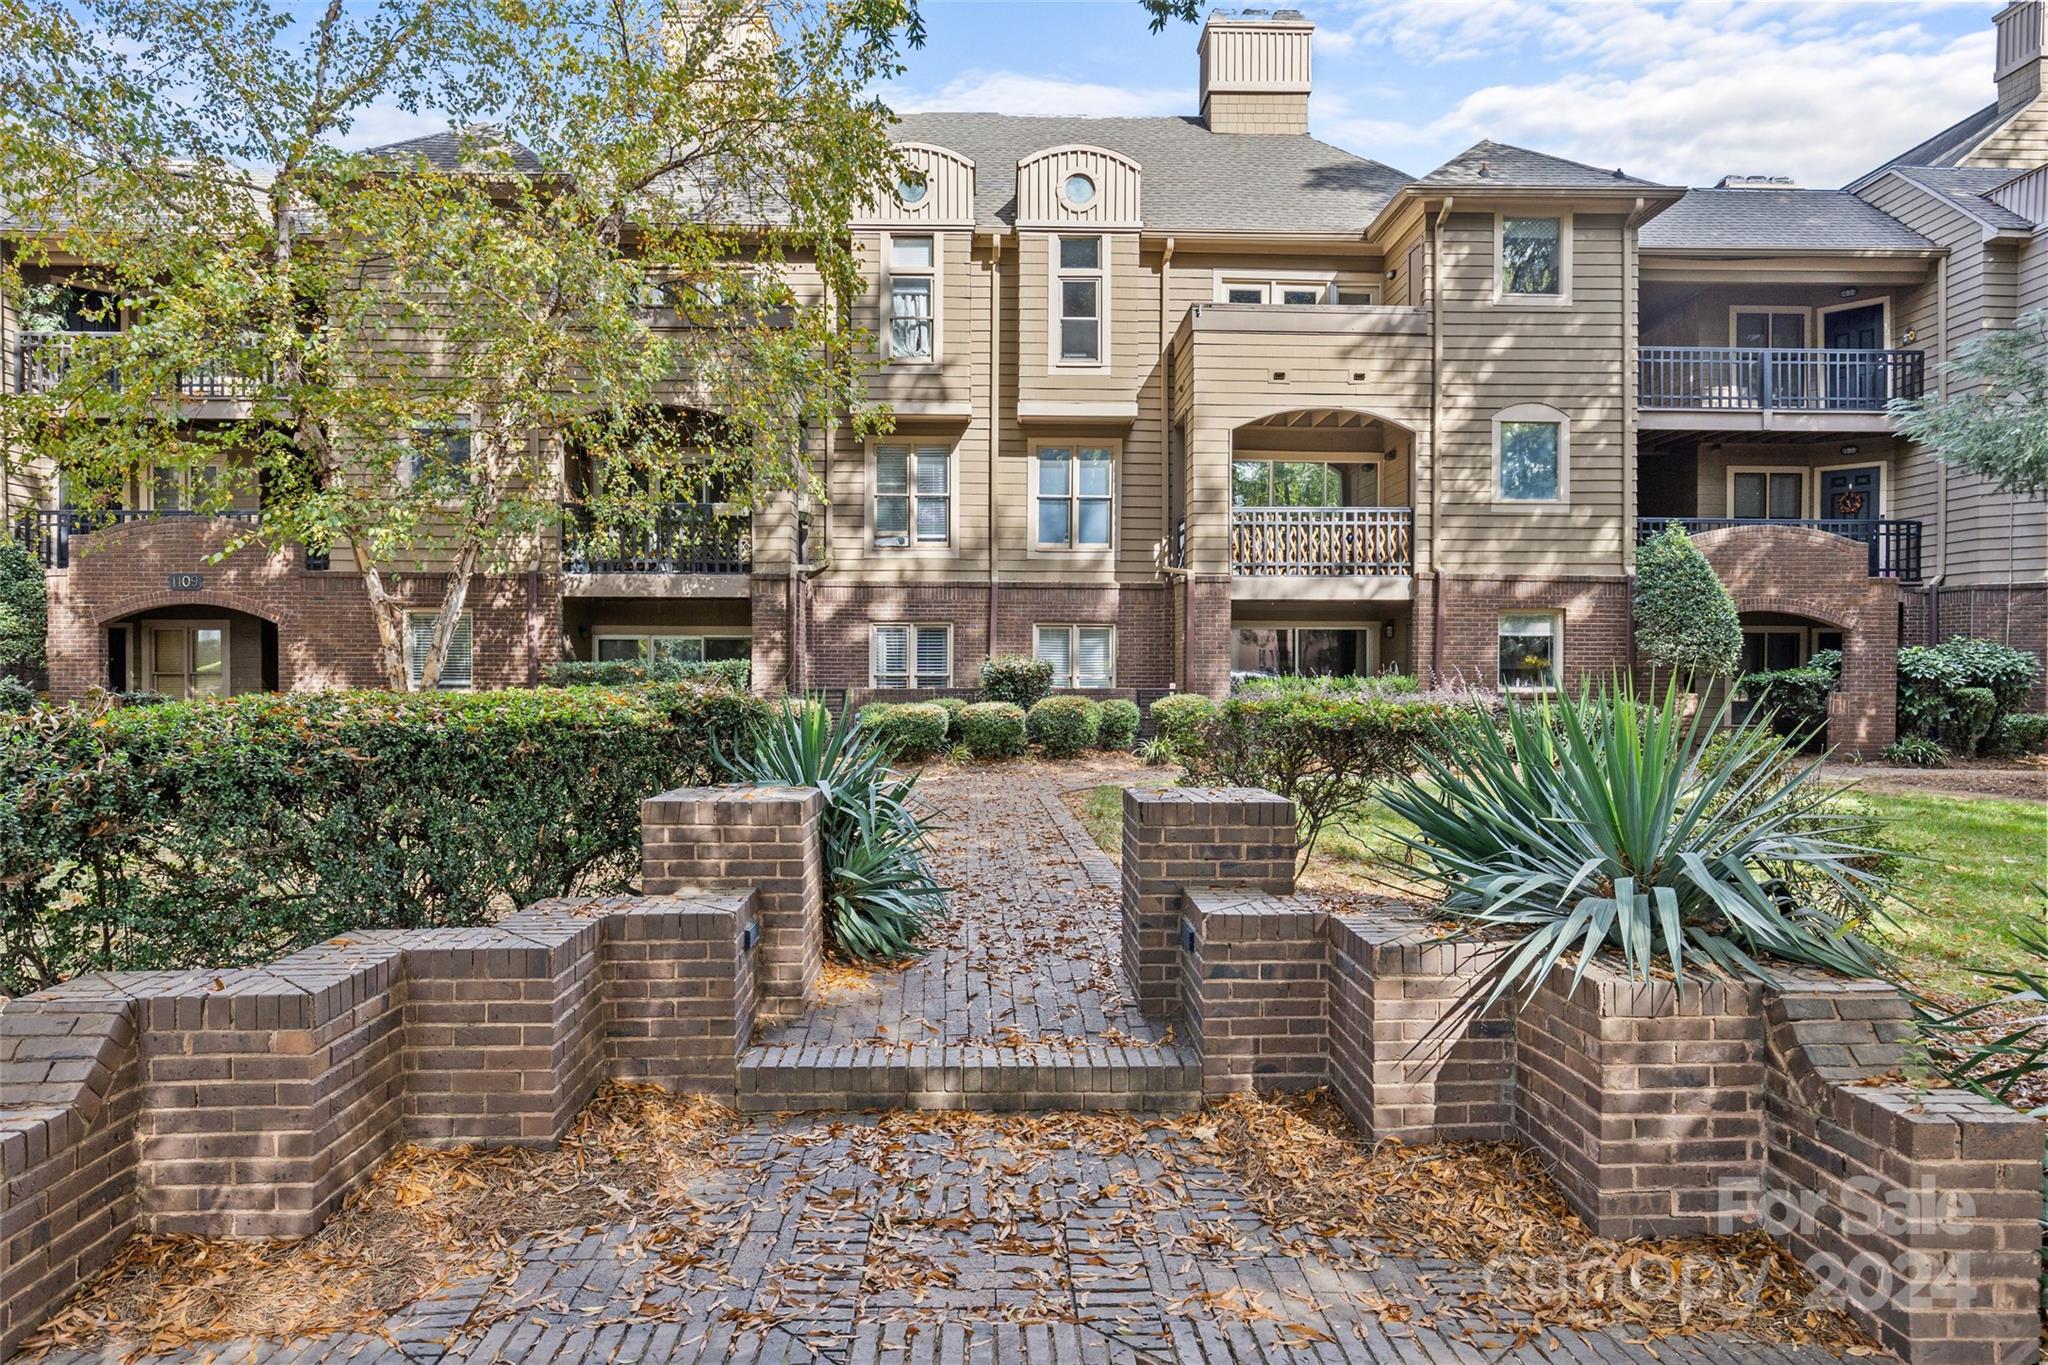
(375, 125)
(1681, 93)
(1012, 92)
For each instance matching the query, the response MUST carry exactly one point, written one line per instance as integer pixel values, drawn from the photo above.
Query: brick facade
(1457, 626)
(326, 636)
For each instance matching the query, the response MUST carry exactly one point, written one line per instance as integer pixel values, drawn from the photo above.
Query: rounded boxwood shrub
(1063, 726)
(16, 697)
(1016, 678)
(909, 729)
(1973, 709)
(2020, 733)
(24, 608)
(1119, 725)
(1178, 719)
(1685, 617)
(952, 706)
(993, 729)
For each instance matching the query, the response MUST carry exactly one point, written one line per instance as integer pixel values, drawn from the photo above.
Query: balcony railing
(42, 359)
(48, 533)
(681, 540)
(1322, 542)
(1894, 545)
(1749, 378)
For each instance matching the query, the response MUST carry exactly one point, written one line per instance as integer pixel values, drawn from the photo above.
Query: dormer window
(1078, 191)
(911, 188)
(1078, 289)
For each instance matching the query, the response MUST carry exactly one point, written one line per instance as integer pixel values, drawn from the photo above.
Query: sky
(1680, 93)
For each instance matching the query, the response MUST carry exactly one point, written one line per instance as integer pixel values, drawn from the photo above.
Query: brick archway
(1809, 575)
(272, 611)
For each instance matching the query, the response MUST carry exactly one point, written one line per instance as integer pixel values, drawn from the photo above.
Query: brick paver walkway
(942, 1238)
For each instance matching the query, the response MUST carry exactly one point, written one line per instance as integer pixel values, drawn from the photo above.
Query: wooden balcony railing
(683, 539)
(1894, 545)
(48, 533)
(1747, 378)
(42, 359)
(1322, 542)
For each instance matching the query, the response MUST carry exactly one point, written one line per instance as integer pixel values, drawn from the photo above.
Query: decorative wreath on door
(1848, 504)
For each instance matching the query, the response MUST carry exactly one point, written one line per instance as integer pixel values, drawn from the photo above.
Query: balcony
(1894, 545)
(684, 542)
(1764, 388)
(1322, 542)
(42, 359)
(48, 534)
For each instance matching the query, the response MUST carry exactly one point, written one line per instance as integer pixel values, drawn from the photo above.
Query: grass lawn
(1975, 875)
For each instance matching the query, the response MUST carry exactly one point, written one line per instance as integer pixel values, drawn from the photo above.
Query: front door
(1856, 382)
(1851, 494)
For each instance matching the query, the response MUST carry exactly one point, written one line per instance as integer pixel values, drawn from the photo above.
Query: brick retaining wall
(1724, 1107)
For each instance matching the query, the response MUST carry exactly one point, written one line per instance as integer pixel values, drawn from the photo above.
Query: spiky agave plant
(1602, 824)
(881, 896)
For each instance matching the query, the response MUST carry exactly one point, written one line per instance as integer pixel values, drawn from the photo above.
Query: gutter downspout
(995, 410)
(1631, 476)
(1436, 422)
(1933, 585)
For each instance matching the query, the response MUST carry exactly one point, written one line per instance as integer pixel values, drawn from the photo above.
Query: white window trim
(1805, 313)
(1272, 281)
(1820, 318)
(910, 653)
(949, 550)
(146, 655)
(1073, 630)
(469, 686)
(646, 636)
(1563, 297)
(1807, 484)
(937, 276)
(1534, 412)
(1055, 364)
(1556, 650)
(1884, 483)
(1116, 498)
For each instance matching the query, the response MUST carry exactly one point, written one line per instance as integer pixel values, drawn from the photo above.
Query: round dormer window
(1079, 191)
(911, 188)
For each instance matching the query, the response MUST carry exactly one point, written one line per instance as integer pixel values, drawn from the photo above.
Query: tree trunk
(452, 600)
(389, 614)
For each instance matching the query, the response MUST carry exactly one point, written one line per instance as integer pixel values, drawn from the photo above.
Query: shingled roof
(1193, 180)
(1501, 166)
(1781, 219)
(1965, 187)
(457, 149)
(1946, 147)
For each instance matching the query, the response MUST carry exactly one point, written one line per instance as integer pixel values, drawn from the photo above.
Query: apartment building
(1177, 398)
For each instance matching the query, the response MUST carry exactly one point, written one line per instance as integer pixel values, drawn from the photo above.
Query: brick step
(1145, 1078)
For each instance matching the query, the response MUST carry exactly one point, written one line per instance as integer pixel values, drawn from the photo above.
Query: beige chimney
(2019, 54)
(1255, 71)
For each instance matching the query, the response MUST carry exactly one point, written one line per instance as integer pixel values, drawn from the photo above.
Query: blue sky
(1678, 92)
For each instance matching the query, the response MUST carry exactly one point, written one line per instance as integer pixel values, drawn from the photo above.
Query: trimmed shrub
(1685, 616)
(1330, 755)
(1178, 719)
(1797, 698)
(16, 697)
(1972, 711)
(734, 673)
(908, 729)
(226, 832)
(1914, 751)
(993, 729)
(2020, 733)
(1931, 677)
(1016, 678)
(952, 706)
(1065, 725)
(1119, 725)
(1378, 685)
(24, 608)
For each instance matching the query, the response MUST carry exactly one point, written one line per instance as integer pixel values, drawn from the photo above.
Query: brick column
(1192, 836)
(766, 838)
(1253, 990)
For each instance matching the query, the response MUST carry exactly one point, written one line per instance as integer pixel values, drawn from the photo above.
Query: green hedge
(1179, 719)
(1934, 678)
(227, 832)
(952, 706)
(911, 730)
(1065, 725)
(616, 673)
(993, 729)
(1797, 698)
(1119, 725)
(1016, 678)
(2020, 733)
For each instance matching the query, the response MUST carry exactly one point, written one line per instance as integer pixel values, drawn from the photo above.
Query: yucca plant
(1997, 1046)
(1603, 824)
(881, 897)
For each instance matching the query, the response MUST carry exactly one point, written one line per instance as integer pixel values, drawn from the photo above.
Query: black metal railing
(1739, 378)
(48, 533)
(1894, 545)
(683, 539)
(42, 359)
(1321, 542)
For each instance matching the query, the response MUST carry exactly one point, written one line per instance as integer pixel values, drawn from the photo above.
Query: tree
(24, 609)
(641, 205)
(1994, 421)
(1685, 617)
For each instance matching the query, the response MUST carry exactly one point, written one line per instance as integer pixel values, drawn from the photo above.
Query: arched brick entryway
(1801, 574)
